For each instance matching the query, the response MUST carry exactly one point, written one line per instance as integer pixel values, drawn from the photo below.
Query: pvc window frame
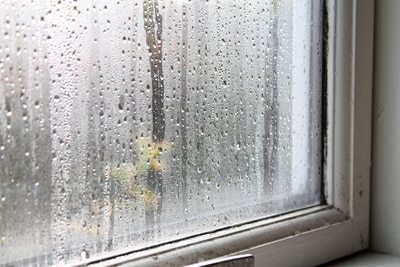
(320, 234)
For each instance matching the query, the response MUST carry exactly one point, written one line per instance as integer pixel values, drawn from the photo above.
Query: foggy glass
(135, 123)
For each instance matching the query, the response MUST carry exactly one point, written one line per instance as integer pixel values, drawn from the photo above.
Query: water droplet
(84, 255)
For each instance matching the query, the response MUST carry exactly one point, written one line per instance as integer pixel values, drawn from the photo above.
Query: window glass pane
(133, 123)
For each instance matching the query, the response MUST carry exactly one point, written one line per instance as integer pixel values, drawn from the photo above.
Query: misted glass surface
(127, 124)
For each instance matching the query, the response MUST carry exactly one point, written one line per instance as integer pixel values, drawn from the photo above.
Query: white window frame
(319, 234)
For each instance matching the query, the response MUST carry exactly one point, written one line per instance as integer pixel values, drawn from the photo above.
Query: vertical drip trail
(183, 105)
(271, 107)
(153, 31)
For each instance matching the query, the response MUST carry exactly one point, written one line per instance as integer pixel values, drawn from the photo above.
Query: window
(127, 126)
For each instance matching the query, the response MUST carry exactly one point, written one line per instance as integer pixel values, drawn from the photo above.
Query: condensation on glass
(125, 124)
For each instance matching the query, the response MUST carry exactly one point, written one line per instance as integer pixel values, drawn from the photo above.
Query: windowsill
(366, 258)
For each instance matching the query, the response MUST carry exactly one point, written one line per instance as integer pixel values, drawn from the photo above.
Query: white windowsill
(366, 259)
